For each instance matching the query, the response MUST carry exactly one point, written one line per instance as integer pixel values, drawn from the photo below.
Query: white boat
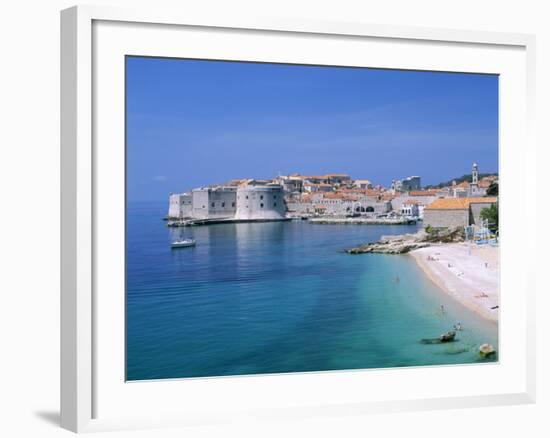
(183, 243)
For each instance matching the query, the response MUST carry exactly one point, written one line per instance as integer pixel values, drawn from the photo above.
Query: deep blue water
(280, 297)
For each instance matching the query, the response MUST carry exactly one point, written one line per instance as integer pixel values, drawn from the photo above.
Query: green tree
(493, 189)
(491, 215)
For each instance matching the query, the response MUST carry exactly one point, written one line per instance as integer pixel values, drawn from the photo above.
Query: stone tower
(474, 173)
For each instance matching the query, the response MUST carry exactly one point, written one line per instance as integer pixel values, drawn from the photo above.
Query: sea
(281, 297)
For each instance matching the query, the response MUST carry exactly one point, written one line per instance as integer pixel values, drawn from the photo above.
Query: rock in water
(486, 350)
(448, 337)
(400, 244)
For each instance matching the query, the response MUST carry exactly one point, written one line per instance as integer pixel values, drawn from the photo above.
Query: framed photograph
(281, 218)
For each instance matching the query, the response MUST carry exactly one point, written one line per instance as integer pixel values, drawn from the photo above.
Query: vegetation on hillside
(493, 189)
(467, 177)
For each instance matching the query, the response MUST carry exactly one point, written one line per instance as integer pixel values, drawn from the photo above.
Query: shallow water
(281, 297)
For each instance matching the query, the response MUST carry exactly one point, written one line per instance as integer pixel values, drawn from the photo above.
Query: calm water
(280, 297)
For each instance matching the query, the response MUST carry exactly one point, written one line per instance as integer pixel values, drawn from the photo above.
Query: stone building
(337, 205)
(456, 212)
(421, 197)
(318, 187)
(474, 188)
(214, 202)
(291, 183)
(362, 184)
(181, 205)
(338, 178)
(245, 202)
(410, 208)
(260, 202)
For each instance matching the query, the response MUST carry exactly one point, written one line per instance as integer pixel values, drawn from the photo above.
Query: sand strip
(468, 273)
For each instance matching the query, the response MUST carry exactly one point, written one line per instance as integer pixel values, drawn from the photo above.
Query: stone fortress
(247, 201)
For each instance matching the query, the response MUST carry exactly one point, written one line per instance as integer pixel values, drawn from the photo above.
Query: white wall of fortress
(181, 205)
(214, 203)
(245, 203)
(260, 202)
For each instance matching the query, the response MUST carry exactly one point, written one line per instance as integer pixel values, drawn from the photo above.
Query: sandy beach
(467, 272)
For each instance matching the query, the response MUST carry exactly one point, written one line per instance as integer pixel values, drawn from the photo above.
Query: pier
(361, 221)
(198, 222)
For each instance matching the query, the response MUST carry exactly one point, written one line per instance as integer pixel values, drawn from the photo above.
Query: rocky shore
(401, 244)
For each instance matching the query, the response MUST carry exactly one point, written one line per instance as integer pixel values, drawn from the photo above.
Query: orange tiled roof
(484, 184)
(427, 192)
(351, 197)
(458, 203)
(332, 195)
(368, 192)
(352, 190)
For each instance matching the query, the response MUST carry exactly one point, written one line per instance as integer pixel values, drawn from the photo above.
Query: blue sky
(193, 123)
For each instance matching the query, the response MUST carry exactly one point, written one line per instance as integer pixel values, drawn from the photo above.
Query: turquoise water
(281, 297)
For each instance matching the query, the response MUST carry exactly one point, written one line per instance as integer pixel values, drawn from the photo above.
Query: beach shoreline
(465, 271)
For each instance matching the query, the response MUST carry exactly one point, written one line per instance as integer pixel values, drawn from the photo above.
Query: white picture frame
(83, 377)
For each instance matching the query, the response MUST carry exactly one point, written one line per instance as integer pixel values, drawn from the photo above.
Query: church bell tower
(475, 174)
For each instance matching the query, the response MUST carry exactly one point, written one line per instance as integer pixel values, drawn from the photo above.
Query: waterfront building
(456, 212)
(421, 209)
(410, 208)
(320, 209)
(243, 202)
(341, 203)
(214, 202)
(419, 198)
(180, 205)
(264, 202)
